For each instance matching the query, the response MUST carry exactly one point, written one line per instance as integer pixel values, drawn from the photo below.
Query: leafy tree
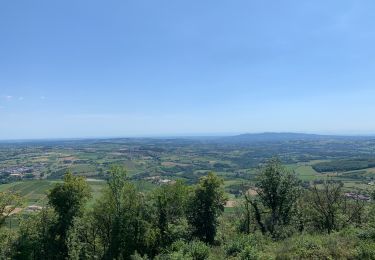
(8, 203)
(137, 230)
(83, 239)
(246, 214)
(206, 205)
(37, 236)
(330, 210)
(326, 203)
(124, 219)
(68, 200)
(7, 238)
(170, 203)
(278, 191)
(116, 183)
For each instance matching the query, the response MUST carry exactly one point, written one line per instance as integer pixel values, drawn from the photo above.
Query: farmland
(31, 168)
(317, 163)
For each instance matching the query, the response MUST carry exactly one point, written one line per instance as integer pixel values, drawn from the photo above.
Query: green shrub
(249, 253)
(368, 234)
(234, 247)
(366, 250)
(245, 246)
(195, 250)
(137, 256)
(334, 246)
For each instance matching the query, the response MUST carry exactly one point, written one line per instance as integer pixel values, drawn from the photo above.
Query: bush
(7, 237)
(137, 256)
(368, 234)
(366, 250)
(245, 246)
(334, 246)
(234, 247)
(249, 253)
(195, 250)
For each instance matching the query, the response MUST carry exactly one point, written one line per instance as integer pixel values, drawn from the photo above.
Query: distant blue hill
(278, 137)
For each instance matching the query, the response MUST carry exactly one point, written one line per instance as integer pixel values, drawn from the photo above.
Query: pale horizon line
(186, 135)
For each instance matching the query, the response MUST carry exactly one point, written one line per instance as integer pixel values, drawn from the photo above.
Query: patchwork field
(35, 191)
(31, 168)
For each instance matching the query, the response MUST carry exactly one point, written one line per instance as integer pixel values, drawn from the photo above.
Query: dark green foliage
(325, 205)
(83, 239)
(196, 250)
(57, 174)
(170, 203)
(176, 221)
(328, 209)
(116, 184)
(38, 237)
(68, 200)
(245, 246)
(365, 250)
(278, 191)
(344, 165)
(124, 219)
(205, 206)
(7, 238)
(193, 250)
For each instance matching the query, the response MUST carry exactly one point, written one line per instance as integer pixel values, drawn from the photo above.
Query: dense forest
(277, 219)
(344, 165)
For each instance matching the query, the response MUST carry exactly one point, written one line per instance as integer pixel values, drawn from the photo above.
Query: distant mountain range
(276, 137)
(242, 138)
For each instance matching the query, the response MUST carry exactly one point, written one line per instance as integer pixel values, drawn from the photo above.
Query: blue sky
(150, 68)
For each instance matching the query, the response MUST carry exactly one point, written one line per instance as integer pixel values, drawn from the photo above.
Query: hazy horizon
(87, 69)
(186, 135)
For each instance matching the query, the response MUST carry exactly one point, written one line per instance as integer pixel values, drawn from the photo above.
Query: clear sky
(90, 68)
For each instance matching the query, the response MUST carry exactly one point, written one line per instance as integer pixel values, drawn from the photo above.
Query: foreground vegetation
(278, 218)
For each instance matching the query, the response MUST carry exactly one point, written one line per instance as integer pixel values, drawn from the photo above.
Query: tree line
(179, 221)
